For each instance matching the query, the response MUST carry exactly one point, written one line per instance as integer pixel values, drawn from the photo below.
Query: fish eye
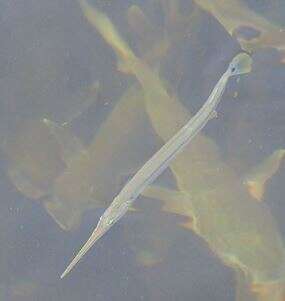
(233, 69)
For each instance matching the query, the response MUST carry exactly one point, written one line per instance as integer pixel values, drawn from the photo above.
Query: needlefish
(145, 176)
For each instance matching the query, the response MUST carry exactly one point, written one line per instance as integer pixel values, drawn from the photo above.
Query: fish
(219, 207)
(251, 30)
(146, 175)
(48, 163)
(88, 181)
(86, 172)
(32, 152)
(222, 210)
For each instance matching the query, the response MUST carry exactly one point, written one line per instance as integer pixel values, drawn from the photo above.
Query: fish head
(240, 64)
(99, 231)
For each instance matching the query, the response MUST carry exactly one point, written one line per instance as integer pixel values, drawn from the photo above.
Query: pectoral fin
(70, 145)
(23, 183)
(258, 177)
(66, 216)
(174, 201)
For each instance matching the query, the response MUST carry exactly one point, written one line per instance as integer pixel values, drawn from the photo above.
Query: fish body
(224, 213)
(162, 158)
(46, 162)
(241, 231)
(90, 181)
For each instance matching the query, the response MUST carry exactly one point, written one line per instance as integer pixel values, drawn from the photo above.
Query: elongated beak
(96, 235)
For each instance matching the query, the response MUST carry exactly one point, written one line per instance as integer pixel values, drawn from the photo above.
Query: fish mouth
(96, 235)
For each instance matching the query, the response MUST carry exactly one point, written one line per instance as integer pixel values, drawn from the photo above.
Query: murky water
(55, 65)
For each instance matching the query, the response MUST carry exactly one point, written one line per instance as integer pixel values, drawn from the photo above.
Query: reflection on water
(50, 56)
